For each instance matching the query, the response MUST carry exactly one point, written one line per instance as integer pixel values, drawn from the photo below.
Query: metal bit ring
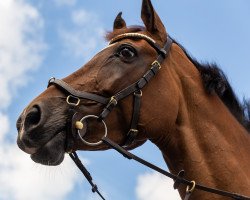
(93, 143)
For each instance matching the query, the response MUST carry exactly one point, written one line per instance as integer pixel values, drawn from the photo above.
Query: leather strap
(138, 85)
(133, 132)
(181, 180)
(76, 93)
(187, 196)
(123, 93)
(70, 138)
(85, 172)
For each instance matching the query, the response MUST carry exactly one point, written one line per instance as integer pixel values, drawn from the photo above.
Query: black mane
(216, 82)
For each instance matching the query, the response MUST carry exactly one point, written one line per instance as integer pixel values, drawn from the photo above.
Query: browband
(132, 35)
(151, 41)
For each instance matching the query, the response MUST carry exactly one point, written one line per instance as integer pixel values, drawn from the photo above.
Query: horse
(185, 108)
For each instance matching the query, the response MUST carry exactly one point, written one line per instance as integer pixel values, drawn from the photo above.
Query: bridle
(74, 96)
(77, 123)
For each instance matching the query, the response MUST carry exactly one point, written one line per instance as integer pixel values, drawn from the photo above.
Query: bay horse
(187, 109)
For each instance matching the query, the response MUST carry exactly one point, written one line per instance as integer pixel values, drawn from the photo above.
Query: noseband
(77, 125)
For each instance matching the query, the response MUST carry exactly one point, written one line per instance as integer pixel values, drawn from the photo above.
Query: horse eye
(127, 52)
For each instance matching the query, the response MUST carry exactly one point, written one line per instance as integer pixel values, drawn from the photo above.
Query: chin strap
(86, 173)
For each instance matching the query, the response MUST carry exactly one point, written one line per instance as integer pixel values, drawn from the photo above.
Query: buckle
(132, 132)
(190, 189)
(112, 101)
(72, 100)
(156, 63)
(138, 93)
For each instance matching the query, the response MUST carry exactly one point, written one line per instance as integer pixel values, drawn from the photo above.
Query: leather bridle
(74, 96)
(77, 123)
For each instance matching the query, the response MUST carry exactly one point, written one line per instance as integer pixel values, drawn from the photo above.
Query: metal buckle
(113, 100)
(134, 131)
(139, 94)
(156, 63)
(71, 97)
(93, 143)
(190, 190)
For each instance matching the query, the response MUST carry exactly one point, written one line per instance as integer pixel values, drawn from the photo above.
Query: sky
(41, 39)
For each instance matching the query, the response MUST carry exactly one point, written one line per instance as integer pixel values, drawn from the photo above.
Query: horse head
(42, 126)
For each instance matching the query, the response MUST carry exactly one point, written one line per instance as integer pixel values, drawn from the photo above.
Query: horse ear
(152, 21)
(119, 22)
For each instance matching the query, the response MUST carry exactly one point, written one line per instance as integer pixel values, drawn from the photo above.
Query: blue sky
(41, 39)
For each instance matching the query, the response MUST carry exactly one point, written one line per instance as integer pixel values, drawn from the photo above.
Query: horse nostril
(33, 117)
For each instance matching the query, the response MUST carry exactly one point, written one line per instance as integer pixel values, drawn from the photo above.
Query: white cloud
(65, 2)
(20, 46)
(82, 17)
(4, 121)
(21, 51)
(154, 186)
(85, 37)
(21, 179)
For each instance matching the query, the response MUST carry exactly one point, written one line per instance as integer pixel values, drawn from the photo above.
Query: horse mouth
(52, 152)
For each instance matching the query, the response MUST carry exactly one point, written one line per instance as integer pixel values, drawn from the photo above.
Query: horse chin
(52, 153)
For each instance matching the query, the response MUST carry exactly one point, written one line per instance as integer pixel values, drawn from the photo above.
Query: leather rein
(77, 123)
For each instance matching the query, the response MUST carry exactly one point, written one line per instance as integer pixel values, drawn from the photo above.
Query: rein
(77, 124)
(178, 179)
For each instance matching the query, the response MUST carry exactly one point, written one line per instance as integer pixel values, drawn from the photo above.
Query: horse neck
(206, 140)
